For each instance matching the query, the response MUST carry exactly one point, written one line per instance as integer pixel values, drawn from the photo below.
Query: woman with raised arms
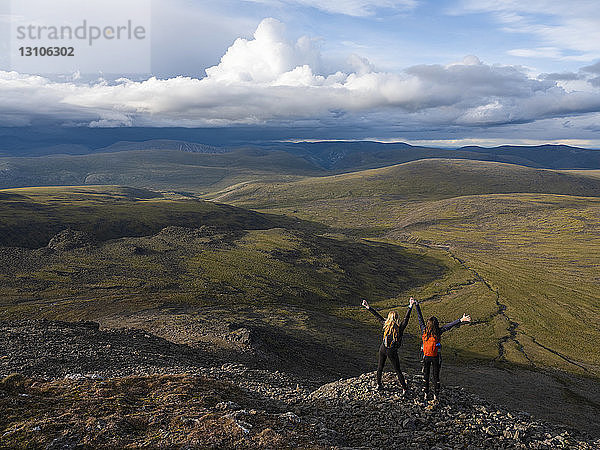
(431, 333)
(392, 339)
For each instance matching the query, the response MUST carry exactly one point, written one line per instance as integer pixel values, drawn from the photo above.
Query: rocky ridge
(351, 413)
(148, 391)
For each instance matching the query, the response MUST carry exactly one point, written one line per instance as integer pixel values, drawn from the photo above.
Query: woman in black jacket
(392, 339)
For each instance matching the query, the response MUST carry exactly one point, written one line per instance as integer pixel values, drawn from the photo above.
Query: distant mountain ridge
(549, 156)
(168, 165)
(350, 156)
(164, 144)
(182, 159)
(161, 169)
(332, 156)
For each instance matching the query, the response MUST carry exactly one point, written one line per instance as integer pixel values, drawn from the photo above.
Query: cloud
(538, 52)
(594, 68)
(266, 57)
(271, 80)
(356, 8)
(570, 30)
(565, 76)
(572, 81)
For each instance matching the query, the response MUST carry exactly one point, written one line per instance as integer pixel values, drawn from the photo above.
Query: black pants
(429, 363)
(392, 354)
(439, 356)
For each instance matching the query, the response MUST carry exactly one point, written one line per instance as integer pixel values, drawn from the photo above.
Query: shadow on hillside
(31, 223)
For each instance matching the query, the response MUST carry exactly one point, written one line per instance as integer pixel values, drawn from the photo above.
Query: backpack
(430, 345)
(390, 342)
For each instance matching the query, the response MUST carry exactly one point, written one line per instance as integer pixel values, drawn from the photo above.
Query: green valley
(528, 238)
(270, 271)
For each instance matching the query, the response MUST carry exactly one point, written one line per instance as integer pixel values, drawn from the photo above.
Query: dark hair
(432, 328)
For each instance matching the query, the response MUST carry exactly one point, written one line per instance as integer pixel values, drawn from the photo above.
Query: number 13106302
(47, 51)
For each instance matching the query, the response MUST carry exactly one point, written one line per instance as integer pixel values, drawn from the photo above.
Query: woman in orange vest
(432, 334)
(392, 338)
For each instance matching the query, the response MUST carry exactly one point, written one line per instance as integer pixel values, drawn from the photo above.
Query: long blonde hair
(391, 326)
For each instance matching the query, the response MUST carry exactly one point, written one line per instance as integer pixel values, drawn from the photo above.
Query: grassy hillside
(30, 217)
(539, 254)
(532, 258)
(155, 169)
(298, 292)
(523, 264)
(587, 173)
(418, 180)
(225, 256)
(352, 156)
(298, 287)
(206, 267)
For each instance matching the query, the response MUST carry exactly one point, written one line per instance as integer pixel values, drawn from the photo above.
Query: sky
(439, 72)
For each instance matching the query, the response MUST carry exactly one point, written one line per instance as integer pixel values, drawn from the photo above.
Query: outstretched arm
(448, 326)
(420, 315)
(405, 321)
(373, 311)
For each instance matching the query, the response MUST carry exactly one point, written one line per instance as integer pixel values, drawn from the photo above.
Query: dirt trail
(501, 311)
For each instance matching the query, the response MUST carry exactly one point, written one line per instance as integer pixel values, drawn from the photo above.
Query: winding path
(511, 335)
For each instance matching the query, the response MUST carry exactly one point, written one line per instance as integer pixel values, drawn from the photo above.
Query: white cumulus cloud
(273, 80)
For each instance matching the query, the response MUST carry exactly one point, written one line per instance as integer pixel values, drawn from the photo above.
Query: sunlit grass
(540, 252)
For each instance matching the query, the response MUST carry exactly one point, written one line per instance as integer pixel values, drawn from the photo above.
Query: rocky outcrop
(351, 413)
(130, 377)
(69, 239)
(185, 233)
(51, 349)
(369, 418)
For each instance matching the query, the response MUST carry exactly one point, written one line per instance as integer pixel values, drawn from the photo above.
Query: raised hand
(465, 318)
(365, 304)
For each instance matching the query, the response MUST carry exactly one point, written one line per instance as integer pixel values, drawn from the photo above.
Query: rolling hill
(514, 246)
(352, 156)
(30, 217)
(155, 169)
(185, 268)
(417, 180)
(179, 164)
(528, 237)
